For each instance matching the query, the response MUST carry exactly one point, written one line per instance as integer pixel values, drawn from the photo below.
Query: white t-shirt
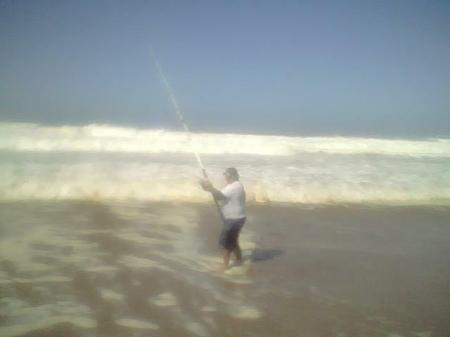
(233, 207)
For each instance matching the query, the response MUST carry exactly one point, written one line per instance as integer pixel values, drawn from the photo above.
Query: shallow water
(101, 267)
(138, 269)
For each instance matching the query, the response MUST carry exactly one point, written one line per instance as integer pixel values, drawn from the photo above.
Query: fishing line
(182, 120)
(178, 111)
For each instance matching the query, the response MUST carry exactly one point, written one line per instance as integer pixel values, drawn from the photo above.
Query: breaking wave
(107, 138)
(108, 162)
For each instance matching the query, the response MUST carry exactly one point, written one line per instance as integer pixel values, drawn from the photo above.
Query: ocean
(106, 162)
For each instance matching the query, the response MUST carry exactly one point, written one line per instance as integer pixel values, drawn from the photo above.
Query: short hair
(232, 172)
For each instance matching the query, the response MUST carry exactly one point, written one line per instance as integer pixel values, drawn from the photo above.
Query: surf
(113, 138)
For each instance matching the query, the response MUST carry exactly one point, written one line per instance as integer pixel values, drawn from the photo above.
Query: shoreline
(251, 204)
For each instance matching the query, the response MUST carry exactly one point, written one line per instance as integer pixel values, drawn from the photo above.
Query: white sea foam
(246, 312)
(27, 328)
(115, 163)
(108, 138)
(24, 318)
(197, 329)
(136, 324)
(110, 295)
(164, 300)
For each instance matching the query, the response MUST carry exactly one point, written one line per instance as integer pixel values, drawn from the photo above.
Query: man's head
(231, 174)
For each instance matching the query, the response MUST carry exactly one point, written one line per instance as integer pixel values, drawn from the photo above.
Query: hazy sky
(302, 67)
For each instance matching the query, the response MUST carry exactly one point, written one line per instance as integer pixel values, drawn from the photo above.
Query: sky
(350, 68)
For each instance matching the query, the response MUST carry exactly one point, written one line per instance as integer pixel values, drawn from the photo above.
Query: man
(231, 200)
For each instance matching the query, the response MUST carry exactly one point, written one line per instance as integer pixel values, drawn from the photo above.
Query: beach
(134, 268)
(131, 132)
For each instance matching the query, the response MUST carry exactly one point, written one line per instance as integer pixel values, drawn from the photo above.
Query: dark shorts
(230, 233)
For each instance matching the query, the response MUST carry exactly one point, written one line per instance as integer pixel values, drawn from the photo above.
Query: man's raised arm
(208, 186)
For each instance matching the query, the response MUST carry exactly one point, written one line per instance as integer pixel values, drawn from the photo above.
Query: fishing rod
(177, 109)
(182, 120)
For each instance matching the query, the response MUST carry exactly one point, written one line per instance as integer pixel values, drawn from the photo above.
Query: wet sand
(150, 269)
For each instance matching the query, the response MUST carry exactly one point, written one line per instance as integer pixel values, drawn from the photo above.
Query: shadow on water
(261, 255)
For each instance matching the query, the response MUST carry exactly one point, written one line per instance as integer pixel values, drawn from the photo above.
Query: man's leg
(226, 258)
(237, 250)
(238, 253)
